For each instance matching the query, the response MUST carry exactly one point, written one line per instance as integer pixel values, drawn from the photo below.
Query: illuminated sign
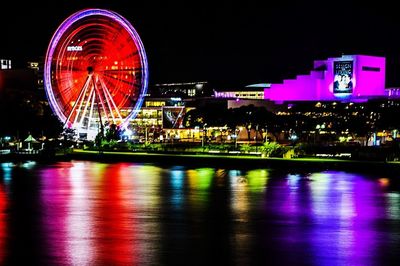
(74, 48)
(343, 77)
(172, 116)
(176, 99)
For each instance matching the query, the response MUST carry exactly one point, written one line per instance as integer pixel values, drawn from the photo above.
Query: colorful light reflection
(3, 222)
(131, 214)
(94, 212)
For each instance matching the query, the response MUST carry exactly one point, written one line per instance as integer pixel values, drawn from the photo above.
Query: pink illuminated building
(350, 77)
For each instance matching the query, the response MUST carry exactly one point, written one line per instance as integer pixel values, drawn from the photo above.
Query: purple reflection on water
(329, 218)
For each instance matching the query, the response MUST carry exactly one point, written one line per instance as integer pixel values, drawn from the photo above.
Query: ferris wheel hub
(90, 70)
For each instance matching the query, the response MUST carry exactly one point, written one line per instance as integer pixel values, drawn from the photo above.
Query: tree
(113, 132)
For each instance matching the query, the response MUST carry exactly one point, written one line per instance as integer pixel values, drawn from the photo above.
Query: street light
(204, 133)
(236, 136)
(255, 138)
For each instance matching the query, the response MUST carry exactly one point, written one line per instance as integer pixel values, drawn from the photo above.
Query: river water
(91, 213)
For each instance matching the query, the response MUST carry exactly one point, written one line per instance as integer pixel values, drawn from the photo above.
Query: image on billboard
(343, 77)
(173, 116)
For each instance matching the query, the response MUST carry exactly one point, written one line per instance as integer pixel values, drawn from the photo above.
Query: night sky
(228, 43)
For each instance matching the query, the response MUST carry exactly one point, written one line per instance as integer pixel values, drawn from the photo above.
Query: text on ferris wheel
(74, 48)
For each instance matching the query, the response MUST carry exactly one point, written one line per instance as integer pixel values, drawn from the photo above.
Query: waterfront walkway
(219, 161)
(240, 161)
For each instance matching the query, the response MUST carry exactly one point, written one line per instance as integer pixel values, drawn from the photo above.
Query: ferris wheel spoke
(107, 92)
(80, 96)
(107, 100)
(87, 102)
(90, 117)
(100, 102)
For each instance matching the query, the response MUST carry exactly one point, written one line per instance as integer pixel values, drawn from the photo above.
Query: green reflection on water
(257, 180)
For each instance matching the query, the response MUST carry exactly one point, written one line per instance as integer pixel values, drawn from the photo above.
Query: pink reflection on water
(3, 222)
(80, 219)
(66, 214)
(88, 214)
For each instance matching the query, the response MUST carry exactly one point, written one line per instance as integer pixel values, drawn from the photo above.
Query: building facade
(348, 78)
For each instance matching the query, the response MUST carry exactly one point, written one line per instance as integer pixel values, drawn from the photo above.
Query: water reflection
(3, 211)
(92, 212)
(87, 213)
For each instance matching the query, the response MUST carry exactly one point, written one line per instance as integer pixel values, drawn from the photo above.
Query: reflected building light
(79, 220)
(220, 176)
(363, 222)
(257, 180)
(240, 206)
(199, 181)
(7, 170)
(177, 181)
(240, 196)
(142, 194)
(293, 180)
(97, 171)
(203, 178)
(321, 191)
(146, 180)
(29, 164)
(3, 222)
(384, 182)
(393, 206)
(234, 175)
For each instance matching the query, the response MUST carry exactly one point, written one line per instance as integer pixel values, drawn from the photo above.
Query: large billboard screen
(173, 116)
(343, 77)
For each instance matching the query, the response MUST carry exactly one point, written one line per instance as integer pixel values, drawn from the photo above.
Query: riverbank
(220, 161)
(239, 161)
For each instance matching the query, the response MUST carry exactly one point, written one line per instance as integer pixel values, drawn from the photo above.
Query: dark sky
(228, 43)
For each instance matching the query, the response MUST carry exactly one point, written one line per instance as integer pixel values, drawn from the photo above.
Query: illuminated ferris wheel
(95, 71)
